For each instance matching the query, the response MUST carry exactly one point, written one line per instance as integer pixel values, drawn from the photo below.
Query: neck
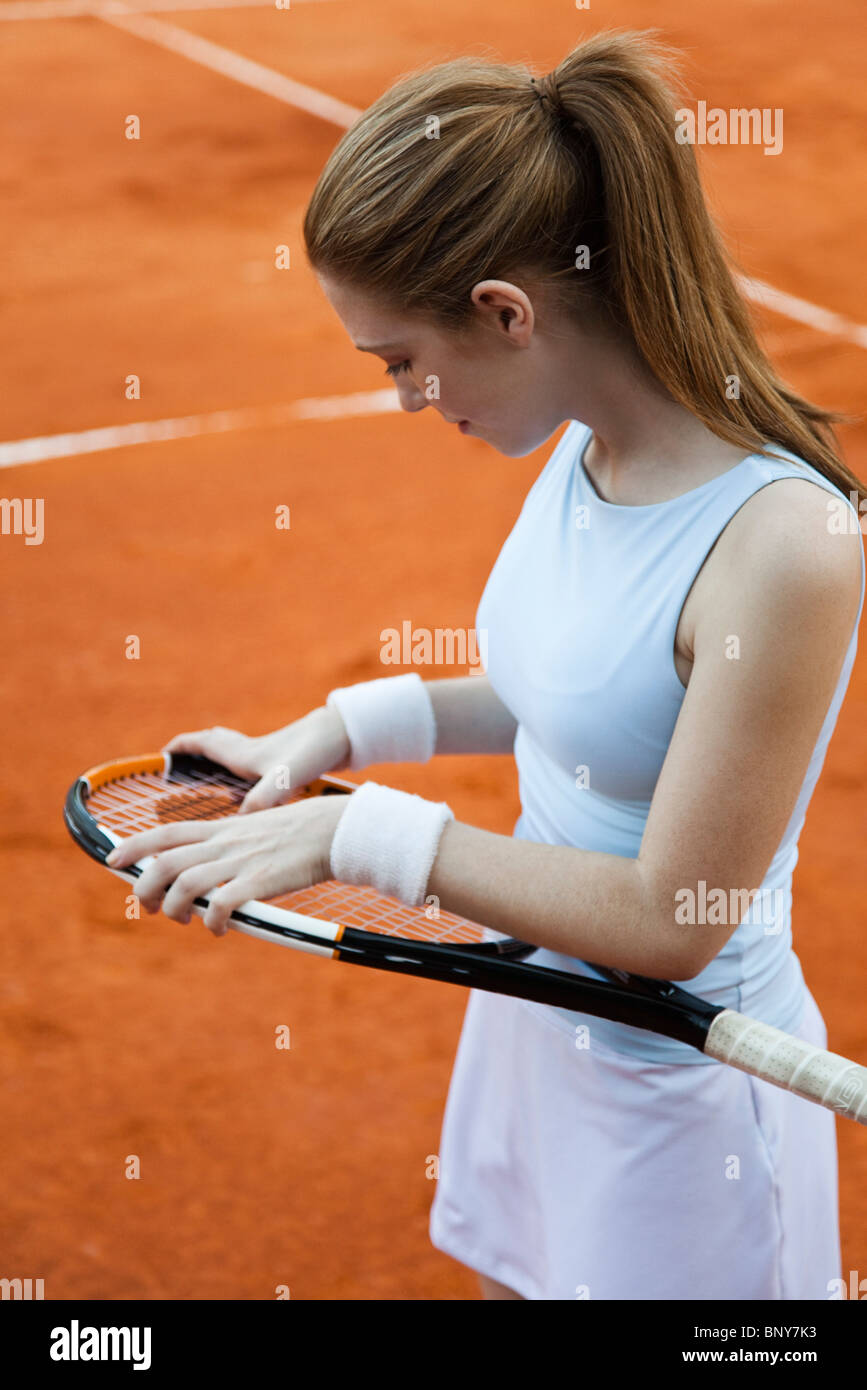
(643, 440)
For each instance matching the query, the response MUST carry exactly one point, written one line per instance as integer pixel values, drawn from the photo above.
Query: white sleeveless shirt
(578, 622)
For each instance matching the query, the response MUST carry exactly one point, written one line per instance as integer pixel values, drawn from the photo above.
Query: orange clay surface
(304, 1167)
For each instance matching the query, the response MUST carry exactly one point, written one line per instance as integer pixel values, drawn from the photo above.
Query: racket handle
(811, 1072)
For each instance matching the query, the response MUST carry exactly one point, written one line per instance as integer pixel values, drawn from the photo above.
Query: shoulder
(785, 537)
(789, 534)
(781, 560)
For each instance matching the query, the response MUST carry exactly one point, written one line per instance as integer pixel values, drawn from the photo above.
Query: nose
(411, 399)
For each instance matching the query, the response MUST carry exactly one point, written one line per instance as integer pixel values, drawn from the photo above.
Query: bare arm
(470, 717)
(741, 747)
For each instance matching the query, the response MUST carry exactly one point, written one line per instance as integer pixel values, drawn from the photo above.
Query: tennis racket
(363, 927)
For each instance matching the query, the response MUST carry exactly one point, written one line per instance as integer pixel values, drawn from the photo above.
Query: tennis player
(671, 627)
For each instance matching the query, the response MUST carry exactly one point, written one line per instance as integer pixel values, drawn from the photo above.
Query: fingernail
(111, 858)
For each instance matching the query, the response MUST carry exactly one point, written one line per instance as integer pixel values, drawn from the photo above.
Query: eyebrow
(377, 347)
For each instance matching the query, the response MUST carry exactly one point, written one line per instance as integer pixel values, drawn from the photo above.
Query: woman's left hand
(259, 855)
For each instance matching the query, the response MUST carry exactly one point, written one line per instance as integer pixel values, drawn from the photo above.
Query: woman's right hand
(278, 763)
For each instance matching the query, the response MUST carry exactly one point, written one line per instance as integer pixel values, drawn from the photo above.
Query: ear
(506, 309)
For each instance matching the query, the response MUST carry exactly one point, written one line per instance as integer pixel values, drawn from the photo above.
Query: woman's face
(498, 381)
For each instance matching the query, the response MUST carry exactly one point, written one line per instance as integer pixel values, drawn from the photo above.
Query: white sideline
(802, 311)
(233, 65)
(132, 16)
(16, 452)
(95, 9)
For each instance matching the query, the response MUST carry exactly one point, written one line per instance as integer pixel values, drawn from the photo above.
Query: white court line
(38, 450)
(95, 9)
(231, 64)
(129, 15)
(56, 446)
(802, 311)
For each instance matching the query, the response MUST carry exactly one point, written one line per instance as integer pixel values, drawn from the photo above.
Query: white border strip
(56, 446)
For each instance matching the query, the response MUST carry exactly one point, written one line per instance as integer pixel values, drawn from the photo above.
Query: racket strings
(141, 800)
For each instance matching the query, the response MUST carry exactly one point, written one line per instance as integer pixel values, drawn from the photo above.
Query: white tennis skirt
(568, 1173)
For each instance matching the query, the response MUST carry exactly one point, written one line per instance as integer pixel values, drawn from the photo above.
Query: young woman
(671, 626)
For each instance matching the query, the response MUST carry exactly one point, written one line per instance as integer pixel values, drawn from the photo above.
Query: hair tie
(543, 96)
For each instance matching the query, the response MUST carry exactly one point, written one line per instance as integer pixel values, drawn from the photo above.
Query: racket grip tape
(789, 1062)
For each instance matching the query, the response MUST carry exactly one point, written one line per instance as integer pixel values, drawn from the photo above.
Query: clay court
(156, 258)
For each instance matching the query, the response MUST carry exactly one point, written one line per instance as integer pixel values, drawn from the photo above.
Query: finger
(279, 785)
(270, 790)
(196, 881)
(161, 872)
(159, 839)
(224, 901)
(200, 741)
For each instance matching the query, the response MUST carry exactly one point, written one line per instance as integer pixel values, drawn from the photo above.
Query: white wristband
(390, 720)
(389, 839)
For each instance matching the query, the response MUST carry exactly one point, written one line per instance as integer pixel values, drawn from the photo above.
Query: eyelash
(397, 368)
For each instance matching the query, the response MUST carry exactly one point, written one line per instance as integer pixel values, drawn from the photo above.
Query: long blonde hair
(474, 170)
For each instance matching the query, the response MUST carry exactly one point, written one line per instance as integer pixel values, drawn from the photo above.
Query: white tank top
(578, 622)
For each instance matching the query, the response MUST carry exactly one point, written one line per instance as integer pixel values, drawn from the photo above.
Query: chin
(520, 448)
(540, 436)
